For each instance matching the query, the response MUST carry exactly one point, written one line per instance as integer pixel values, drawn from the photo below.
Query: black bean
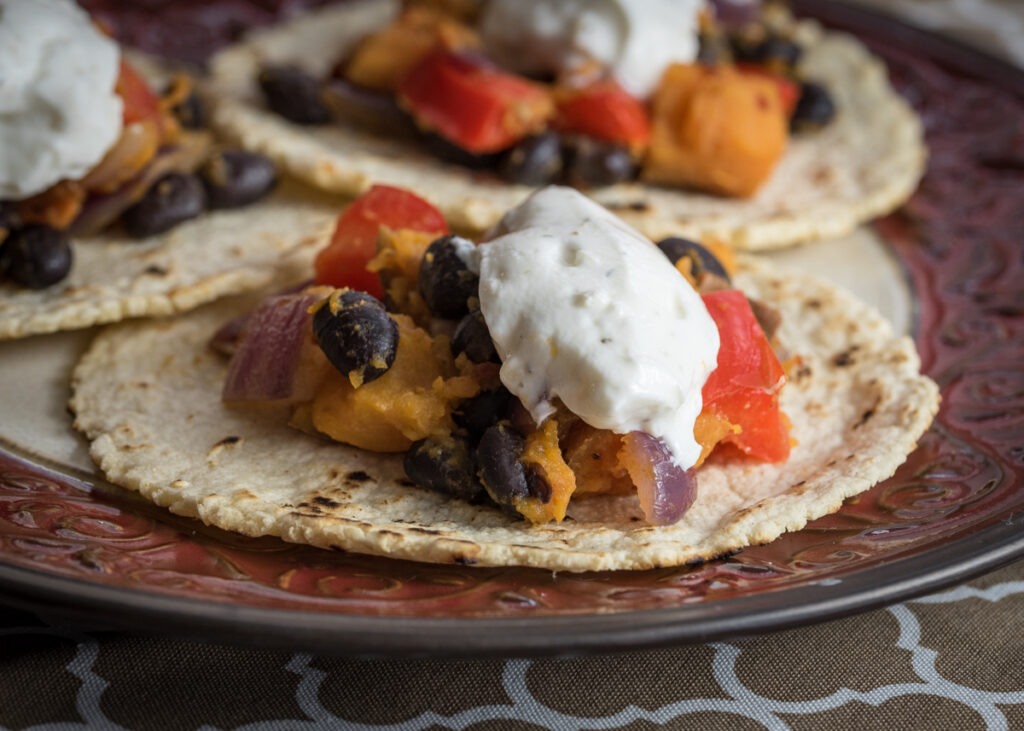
(499, 468)
(445, 282)
(593, 163)
(236, 178)
(537, 483)
(36, 256)
(483, 410)
(9, 218)
(448, 151)
(190, 112)
(294, 94)
(174, 198)
(701, 260)
(778, 53)
(472, 337)
(356, 334)
(444, 464)
(814, 109)
(535, 160)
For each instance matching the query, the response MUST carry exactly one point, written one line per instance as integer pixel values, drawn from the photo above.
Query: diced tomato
(744, 388)
(789, 91)
(140, 102)
(343, 262)
(606, 111)
(471, 104)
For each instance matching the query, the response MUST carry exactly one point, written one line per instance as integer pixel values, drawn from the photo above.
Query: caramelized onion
(666, 491)
(56, 207)
(369, 110)
(271, 361)
(102, 209)
(135, 147)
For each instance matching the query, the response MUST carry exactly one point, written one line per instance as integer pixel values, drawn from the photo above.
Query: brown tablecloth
(952, 660)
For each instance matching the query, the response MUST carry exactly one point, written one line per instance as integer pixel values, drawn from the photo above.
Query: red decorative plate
(78, 548)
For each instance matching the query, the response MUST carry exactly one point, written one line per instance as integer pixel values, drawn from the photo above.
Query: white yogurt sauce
(584, 308)
(635, 39)
(58, 111)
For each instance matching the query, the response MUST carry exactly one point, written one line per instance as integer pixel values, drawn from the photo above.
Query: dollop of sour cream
(58, 111)
(584, 308)
(635, 39)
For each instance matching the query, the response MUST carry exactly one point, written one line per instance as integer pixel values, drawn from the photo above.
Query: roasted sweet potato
(591, 454)
(383, 58)
(715, 129)
(399, 253)
(543, 455)
(411, 401)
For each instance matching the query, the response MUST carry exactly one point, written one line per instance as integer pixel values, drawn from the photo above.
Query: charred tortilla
(147, 395)
(864, 164)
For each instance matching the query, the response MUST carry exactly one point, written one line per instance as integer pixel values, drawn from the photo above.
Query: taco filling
(583, 92)
(88, 144)
(565, 355)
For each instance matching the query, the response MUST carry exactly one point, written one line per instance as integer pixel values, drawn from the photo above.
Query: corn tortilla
(147, 396)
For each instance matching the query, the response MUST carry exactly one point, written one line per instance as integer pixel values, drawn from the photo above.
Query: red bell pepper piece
(744, 388)
(471, 104)
(605, 111)
(343, 262)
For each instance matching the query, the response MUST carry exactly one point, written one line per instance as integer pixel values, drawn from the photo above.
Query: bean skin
(235, 178)
(356, 334)
(444, 464)
(36, 256)
(172, 199)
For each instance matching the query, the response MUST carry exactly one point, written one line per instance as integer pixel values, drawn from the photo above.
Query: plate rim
(70, 599)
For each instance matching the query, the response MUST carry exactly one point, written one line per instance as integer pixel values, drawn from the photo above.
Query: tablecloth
(954, 659)
(951, 660)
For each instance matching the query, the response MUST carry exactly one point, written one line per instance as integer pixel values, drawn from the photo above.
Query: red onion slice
(225, 340)
(666, 491)
(271, 360)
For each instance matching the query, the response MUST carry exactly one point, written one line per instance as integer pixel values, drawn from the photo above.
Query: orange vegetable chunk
(716, 129)
(543, 454)
(382, 59)
(411, 401)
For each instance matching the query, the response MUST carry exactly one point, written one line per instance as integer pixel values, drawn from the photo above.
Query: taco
(866, 161)
(114, 199)
(661, 467)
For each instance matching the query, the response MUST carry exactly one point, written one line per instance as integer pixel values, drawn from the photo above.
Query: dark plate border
(64, 600)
